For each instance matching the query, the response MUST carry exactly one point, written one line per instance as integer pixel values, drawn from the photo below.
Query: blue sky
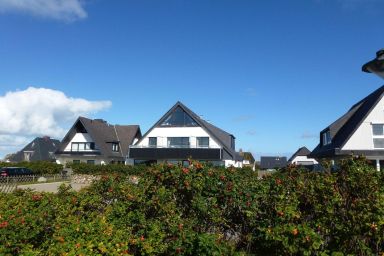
(273, 73)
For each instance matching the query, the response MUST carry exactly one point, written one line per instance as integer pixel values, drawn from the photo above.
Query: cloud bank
(67, 10)
(38, 112)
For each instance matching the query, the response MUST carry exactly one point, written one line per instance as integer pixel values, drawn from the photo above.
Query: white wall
(362, 138)
(83, 159)
(303, 159)
(229, 163)
(79, 137)
(163, 133)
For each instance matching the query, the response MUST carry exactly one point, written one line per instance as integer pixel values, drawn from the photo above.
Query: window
(152, 142)
(178, 142)
(202, 142)
(378, 135)
(179, 118)
(377, 129)
(115, 147)
(232, 142)
(326, 138)
(75, 146)
(91, 162)
(82, 146)
(76, 161)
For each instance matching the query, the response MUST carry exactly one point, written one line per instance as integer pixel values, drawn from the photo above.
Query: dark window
(232, 142)
(378, 142)
(202, 142)
(91, 162)
(178, 142)
(82, 146)
(326, 137)
(152, 142)
(76, 161)
(377, 129)
(179, 118)
(115, 147)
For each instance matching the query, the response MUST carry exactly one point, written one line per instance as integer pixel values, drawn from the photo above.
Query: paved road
(51, 187)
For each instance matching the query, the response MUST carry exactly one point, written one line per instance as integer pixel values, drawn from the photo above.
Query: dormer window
(326, 137)
(115, 147)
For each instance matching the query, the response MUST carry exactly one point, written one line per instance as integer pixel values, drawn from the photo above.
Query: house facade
(97, 142)
(40, 149)
(360, 131)
(180, 135)
(300, 157)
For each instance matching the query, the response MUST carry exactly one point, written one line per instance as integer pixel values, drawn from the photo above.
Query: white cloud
(38, 112)
(67, 10)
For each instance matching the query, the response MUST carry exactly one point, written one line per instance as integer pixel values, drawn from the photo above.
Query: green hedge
(38, 167)
(201, 210)
(83, 168)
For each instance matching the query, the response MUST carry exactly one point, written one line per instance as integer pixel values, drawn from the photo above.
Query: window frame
(376, 137)
(198, 141)
(180, 145)
(152, 139)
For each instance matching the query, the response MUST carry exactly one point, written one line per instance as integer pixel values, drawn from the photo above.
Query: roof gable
(104, 134)
(343, 128)
(303, 151)
(40, 149)
(222, 137)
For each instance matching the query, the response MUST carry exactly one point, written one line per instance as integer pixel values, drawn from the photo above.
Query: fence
(10, 183)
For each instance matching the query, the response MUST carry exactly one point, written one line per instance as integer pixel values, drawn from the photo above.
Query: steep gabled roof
(41, 150)
(272, 162)
(303, 151)
(343, 128)
(222, 137)
(103, 134)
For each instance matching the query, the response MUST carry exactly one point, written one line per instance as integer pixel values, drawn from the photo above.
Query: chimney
(376, 65)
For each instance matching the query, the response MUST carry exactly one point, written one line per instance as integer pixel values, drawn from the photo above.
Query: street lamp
(376, 65)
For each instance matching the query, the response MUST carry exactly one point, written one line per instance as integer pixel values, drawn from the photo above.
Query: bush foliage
(202, 210)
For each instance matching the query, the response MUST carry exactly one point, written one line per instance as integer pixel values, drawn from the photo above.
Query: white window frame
(377, 136)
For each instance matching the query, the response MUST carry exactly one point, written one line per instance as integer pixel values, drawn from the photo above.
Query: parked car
(14, 171)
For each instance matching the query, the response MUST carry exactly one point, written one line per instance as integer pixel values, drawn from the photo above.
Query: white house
(97, 142)
(300, 157)
(181, 134)
(358, 132)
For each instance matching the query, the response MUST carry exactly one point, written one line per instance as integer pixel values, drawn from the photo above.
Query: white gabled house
(358, 132)
(300, 157)
(97, 142)
(181, 134)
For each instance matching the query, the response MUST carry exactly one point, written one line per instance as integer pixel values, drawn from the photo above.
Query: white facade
(362, 139)
(84, 158)
(303, 160)
(163, 133)
(233, 163)
(79, 138)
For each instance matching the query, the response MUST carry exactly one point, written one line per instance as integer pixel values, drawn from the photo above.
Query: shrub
(202, 210)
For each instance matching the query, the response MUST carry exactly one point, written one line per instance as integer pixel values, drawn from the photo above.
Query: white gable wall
(162, 133)
(362, 138)
(301, 159)
(79, 137)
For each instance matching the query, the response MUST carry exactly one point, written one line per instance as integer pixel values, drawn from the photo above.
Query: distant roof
(247, 156)
(344, 127)
(303, 151)
(272, 162)
(103, 134)
(224, 138)
(40, 149)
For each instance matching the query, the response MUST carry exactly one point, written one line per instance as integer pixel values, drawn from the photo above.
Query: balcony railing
(174, 146)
